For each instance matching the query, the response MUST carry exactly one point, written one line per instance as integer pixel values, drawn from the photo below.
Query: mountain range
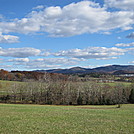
(112, 69)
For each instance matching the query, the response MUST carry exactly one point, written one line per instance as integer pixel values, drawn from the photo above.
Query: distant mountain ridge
(105, 69)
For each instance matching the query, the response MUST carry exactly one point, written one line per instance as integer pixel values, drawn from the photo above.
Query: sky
(51, 34)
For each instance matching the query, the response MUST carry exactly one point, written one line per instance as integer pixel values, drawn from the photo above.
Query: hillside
(105, 69)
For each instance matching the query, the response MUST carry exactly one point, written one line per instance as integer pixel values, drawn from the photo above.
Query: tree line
(68, 92)
(28, 75)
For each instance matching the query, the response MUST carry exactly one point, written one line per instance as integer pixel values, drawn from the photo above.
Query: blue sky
(46, 34)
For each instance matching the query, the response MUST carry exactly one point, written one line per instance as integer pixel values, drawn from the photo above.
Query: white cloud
(131, 35)
(130, 50)
(73, 19)
(109, 58)
(92, 53)
(120, 4)
(39, 7)
(1, 17)
(50, 61)
(107, 33)
(45, 53)
(132, 62)
(1, 60)
(43, 66)
(8, 39)
(64, 58)
(125, 44)
(45, 62)
(5, 66)
(118, 38)
(19, 52)
(19, 60)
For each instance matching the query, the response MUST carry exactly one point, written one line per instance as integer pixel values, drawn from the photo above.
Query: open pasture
(46, 119)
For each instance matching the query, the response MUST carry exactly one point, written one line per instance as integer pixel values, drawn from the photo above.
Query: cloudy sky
(46, 34)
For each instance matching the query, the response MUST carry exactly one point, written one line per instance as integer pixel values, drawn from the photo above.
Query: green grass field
(45, 119)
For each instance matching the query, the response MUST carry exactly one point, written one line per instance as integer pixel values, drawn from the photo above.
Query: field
(6, 85)
(45, 119)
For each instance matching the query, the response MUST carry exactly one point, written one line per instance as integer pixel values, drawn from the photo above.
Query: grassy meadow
(45, 119)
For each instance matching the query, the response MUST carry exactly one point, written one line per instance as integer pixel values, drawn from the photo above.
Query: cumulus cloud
(125, 44)
(120, 4)
(19, 52)
(131, 35)
(65, 61)
(8, 39)
(64, 58)
(73, 19)
(45, 62)
(92, 53)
